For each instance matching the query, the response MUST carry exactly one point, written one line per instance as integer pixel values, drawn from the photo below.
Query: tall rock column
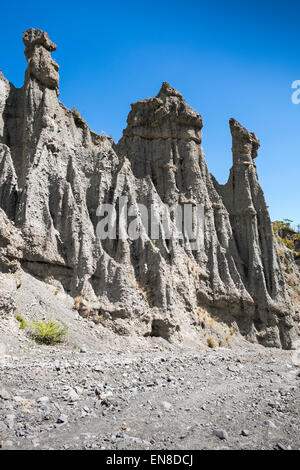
(253, 235)
(38, 55)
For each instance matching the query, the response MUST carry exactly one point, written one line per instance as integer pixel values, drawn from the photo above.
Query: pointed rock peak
(245, 144)
(163, 117)
(238, 130)
(41, 66)
(32, 37)
(168, 90)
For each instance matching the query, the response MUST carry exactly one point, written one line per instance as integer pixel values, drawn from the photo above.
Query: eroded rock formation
(55, 172)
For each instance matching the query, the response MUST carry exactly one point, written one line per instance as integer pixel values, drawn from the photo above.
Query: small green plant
(48, 332)
(55, 292)
(296, 290)
(284, 224)
(77, 114)
(287, 223)
(288, 243)
(22, 321)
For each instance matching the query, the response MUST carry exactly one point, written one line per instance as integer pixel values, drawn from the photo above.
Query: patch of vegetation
(22, 321)
(77, 302)
(48, 332)
(281, 254)
(206, 318)
(296, 290)
(77, 114)
(284, 224)
(293, 286)
(288, 237)
(288, 243)
(211, 343)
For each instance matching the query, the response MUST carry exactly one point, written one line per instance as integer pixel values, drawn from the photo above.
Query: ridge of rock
(56, 172)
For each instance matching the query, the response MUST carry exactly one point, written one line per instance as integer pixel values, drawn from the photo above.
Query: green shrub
(77, 114)
(48, 332)
(284, 224)
(22, 321)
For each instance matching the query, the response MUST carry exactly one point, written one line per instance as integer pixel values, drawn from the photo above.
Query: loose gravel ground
(161, 398)
(102, 391)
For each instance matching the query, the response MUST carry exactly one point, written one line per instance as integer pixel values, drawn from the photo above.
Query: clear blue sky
(228, 59)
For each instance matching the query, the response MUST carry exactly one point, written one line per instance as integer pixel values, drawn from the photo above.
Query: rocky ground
(99, 391)
(156, 399)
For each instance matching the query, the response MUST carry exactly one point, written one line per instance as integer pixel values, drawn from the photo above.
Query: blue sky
(228, 59)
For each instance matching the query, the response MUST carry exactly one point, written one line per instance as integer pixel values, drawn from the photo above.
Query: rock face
(56, 172)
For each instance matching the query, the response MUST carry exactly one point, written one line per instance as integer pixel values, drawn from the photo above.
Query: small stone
(9, 420)
(221, 434)
(245, 432)
(4, 394)
(285, 390)
(166, 405)
(72, 395)
(269, 423)
(43, 400)
(83, 349)
(281, 446)
(62, 419)
(233, 369)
